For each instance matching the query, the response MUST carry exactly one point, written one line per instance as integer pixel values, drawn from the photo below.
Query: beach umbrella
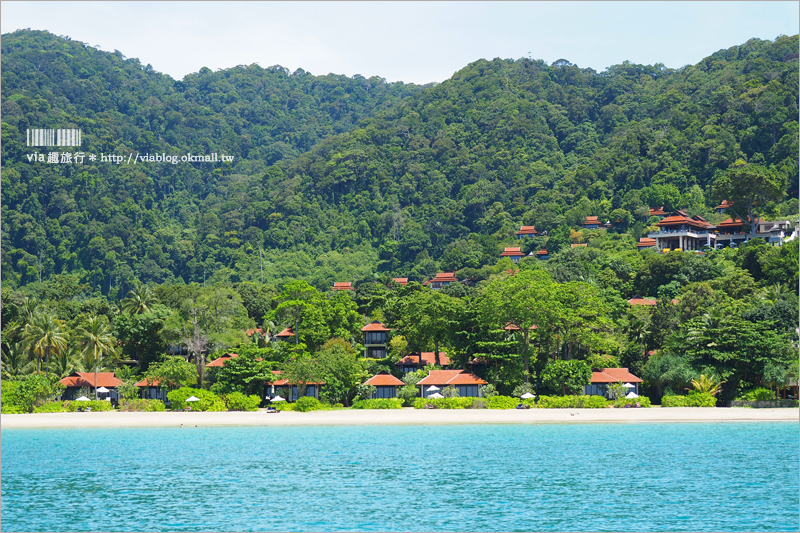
(433, 388)
(83, 399)
(435, 395)
(102, 389)
(192, 399)
(629, 386)
(527, 395)
(632, 395)
(278, 399)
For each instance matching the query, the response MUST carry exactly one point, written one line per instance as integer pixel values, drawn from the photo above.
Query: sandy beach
(396, 417)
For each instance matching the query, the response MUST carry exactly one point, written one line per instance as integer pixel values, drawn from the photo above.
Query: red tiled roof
(444, 276)
(513, 327)
(342, 286)
(511, 251)
(220, 361)
(451, 377)
(591, 220)
(645, 242)
(400, 281)
(428, 358)
(286, 333)
(577, 245)
(724, 205)
(731, 222)
(384, 379)
(251, 331)
(148, 383)
(86, 379)
(680, 219)
(612, 375)
(527, 230)
(375, 326)
(541, 252)
(638, 300)
(657, 211)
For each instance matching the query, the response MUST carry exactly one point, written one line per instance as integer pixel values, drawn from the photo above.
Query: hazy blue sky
(407, 41)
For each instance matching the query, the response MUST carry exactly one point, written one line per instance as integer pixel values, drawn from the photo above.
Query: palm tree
(67, 361)
(707, 384)
(45, 333)
(97, 340)
(15, 360)
(139, 299)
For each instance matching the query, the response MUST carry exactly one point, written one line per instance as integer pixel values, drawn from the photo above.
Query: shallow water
(552, 477)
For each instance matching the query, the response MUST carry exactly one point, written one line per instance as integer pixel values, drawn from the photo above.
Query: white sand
(396, 416)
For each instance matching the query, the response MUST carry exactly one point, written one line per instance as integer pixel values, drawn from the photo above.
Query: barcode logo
(61, 137)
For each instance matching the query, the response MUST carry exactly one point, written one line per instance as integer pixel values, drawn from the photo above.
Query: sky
(413, 42)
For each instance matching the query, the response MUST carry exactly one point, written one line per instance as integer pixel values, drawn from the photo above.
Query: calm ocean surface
(553, 477)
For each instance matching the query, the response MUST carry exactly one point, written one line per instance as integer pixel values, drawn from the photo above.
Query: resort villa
(285, 335)
(342, 286)
(601, 380)
(442, 279)
(527, 232)
(514, 253)
(410, 363)
(385, 385)
(376, 338)
(150, 390)
(86, 380)
(468, 384)
(289, 391)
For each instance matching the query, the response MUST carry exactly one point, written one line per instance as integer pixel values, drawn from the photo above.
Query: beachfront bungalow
(85, 380)
(376, 338)
(601, 380)
(527, 232)
(542, 255)
(150, 390)
(401, 281)
(468, 384)
(342, 286)
(289, 391)
(385, 385)
(442, 279)
(410, 363)
(512, 252)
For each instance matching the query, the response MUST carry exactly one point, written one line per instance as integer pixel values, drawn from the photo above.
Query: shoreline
(407, 416)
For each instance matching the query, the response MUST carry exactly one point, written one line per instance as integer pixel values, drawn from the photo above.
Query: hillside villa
(410, 363)
(376, 338)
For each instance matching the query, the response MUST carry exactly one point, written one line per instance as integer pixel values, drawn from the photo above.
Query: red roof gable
(428, 358)
(591, 220)
(513, 327)
(527, 230)
(86, 379)
(612, 375)
(657, 211)
(645, 242)
(451, 377)
(375, 326)
(724, 205)
(384, 379)
(444, 276)
(251, 331)
(286, 333)
(676, 220)
(342, 286)
(511, 251)
(220, 361)
(541, 252)
(400, 281)
(731, 222)
(148, 383)
(577, 245)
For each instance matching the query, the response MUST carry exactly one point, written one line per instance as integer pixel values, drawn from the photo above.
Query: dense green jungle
(330, 178)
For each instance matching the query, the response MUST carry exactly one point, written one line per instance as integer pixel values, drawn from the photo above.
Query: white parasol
(436, 395)
(632, 395)
(629, 386)
(192, 399)
(278, 399)
(102, 389)
(433, 388)
(83, 399)
(527, 395)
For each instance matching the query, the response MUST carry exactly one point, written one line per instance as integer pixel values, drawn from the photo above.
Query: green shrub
(307, 403)
(757, 395)
(408, 393)
(95, 405)
(693, 399)
(208, 400)
(478, 403)
(23, 396)
(50, 407)
(572, 402)
(236, 401)
(141, 405)
(11, 409)
(502, 402)
(443, 403)
(382, 403)
(643, 401)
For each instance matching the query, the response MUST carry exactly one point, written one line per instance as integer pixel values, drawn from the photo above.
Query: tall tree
(45, 333)
(96, 339)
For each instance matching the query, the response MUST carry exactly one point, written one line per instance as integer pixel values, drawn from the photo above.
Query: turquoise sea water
(552, 477)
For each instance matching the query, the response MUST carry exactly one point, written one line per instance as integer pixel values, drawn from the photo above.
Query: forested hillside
(337, 178)
(355, 179)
